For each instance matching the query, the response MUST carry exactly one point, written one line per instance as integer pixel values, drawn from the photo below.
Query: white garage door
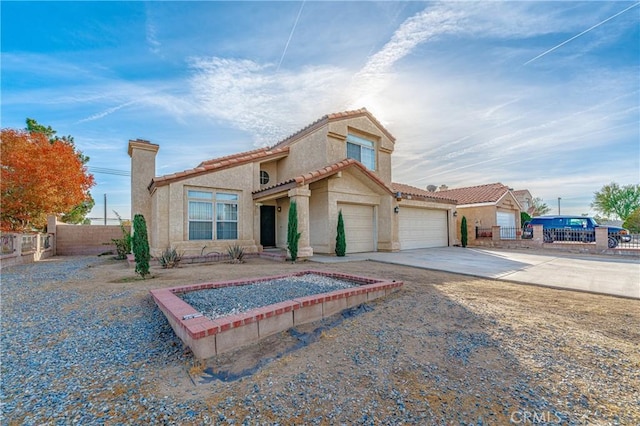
(507, 223)
(422, 228)
(358, 227)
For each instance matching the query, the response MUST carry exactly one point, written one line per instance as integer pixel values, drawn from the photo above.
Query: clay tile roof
(322, 173)
(421, 193)
(333, 117)
(489, 193)
(220, 163)
(260, 153)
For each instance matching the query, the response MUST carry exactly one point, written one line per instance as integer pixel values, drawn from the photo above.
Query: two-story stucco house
(340, 162)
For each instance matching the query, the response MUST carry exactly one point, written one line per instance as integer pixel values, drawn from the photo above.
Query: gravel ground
(215, 303)
(83, 343)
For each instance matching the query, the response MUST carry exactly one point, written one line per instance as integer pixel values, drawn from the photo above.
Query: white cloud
(459, 120)
(266, 104)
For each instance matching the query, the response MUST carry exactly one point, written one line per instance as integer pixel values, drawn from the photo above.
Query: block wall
(74, 240)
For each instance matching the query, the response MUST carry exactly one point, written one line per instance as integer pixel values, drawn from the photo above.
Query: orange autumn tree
(38, 177)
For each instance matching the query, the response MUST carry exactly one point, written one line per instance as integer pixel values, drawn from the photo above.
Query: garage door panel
(422, 228)
(507, 222)
(358, 227)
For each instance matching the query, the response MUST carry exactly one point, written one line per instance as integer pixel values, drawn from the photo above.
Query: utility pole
(105, 209)
(559, 205)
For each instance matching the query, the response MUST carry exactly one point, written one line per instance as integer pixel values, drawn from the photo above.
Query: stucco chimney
(143, 170)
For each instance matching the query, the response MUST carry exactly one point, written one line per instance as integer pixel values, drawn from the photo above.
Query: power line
(105, 171)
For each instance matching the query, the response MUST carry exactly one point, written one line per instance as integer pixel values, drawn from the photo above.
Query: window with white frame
(212, 215)
(226, 216)
(361, 149)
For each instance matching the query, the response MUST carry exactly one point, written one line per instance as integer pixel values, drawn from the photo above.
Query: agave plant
(170, 258)
(236, 253)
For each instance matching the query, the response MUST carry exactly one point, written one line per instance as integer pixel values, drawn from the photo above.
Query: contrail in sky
(105, 112)
(295, 24)
(582, 33)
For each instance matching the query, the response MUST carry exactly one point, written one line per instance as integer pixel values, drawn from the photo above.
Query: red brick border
(207, 338)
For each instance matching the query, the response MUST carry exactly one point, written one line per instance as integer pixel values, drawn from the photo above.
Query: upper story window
(264, 177)
(209, 211)
(361, 149)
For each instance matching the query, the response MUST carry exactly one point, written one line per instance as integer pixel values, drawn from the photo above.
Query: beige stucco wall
(305, 155)
(282, 221)
(318, 215)
(143, 169)
(170, 223)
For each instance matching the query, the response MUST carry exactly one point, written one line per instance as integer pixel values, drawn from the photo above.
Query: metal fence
(29, 243)
(509, 232)
(45, 241)
(626, 241)
(569, 235)
(483, 232)
(8, 243)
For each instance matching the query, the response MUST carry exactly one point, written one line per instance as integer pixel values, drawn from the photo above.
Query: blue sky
(537, 95)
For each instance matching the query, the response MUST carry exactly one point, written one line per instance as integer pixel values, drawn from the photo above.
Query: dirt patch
(445, 349)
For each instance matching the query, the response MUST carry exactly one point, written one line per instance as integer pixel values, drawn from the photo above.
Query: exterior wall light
(396, 209)
(279, 209)
(455, 214)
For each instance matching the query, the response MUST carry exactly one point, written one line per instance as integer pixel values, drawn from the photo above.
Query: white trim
(462, 206)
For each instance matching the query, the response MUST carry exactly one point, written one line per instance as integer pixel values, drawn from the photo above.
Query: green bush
(170, 258)
(293, 236)
(341, 239)
(524, 217)
(464, 231)
(632, 223)
(141, 245)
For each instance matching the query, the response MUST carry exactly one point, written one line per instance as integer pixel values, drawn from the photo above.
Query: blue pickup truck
(573, 228)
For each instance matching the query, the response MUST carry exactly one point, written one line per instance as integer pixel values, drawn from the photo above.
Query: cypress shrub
(464, 231)
(293, 236)
(341, 242)
(140, 245)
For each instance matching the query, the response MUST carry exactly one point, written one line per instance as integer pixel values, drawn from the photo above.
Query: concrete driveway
(598, 274)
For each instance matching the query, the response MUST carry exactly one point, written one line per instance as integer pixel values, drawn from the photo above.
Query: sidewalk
(597, 274)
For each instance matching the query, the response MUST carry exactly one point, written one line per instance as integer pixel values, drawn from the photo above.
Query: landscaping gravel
(219, 302)
(83, 343)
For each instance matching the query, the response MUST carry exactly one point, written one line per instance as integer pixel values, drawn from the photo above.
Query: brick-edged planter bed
(209, 337)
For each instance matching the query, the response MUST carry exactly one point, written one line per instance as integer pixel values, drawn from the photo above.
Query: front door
(268, 226)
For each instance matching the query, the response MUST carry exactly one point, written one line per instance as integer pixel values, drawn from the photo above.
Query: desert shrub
(236, 253)
(141, 245)
(123, 245)
(170, 258)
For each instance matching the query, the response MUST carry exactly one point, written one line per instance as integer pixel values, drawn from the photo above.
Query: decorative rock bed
(238, 322)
